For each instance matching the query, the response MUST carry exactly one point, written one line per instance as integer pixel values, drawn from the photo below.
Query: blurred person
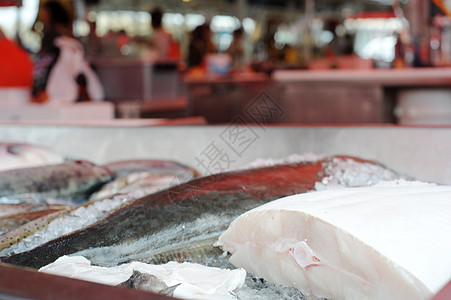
(61, 61)
(162, 41)
(236, 49)
(197, 47)
(16, 67)
(342, 42)
(92, 42)
(200, 45)
(208, 36)
(57, 22)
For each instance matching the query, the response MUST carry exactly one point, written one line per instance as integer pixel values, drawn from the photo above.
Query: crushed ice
(269, 162)
(347, 172)
(339, 172)
(74, 220)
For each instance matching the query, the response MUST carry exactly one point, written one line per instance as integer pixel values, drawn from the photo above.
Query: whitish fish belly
(383, 242)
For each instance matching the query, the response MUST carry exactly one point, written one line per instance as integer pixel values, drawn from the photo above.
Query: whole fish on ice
(137, 185)
(158, 167)
(19, 155)
(180, 223)
(139, 178)
(192, 212)
(72, 181)
(382, 242)
(53, 225)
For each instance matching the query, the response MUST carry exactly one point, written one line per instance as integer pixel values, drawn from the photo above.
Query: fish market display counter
(142, 87)
(79, 112)
(409, 96)
(419, 152)
(223, 98)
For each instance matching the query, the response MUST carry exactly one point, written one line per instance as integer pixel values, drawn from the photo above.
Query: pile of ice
(260, 289)
(347, 172)
(291, 159)
(71, 221)
(339, 172)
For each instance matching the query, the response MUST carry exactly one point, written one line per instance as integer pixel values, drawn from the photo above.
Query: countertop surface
(226, 78)
(385, 77)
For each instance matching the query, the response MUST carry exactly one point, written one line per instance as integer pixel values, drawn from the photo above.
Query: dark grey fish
(148, 282)
(73, 180)
(158, 167)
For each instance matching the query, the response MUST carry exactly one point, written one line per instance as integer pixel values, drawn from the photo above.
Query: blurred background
(327, 61)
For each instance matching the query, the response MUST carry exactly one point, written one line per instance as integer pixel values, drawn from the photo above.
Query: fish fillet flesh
(382, 242)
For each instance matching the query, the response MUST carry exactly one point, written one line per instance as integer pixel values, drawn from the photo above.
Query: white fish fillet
(383, 242)
(196, 281)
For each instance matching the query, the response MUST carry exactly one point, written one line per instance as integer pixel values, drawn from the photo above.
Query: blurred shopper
(162, 41)
(57, 22)
(200, 45)
(236, 48)
(15, 64)
(197, 47)
(92, 42)
(61, 61)
(342, 42)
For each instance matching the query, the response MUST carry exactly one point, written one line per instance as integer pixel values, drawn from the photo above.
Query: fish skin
(11, 209)
(225, 194)
(137, 185)
(75, 180)
(150, 283)
(14, 236)
(20, 155)
(166, 167)
(14, 221)
(17, 235)
(146, 282)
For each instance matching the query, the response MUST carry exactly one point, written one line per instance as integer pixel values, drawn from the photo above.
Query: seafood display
(150, 212)
(175, 219)
(382, 242)
(18, 155)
